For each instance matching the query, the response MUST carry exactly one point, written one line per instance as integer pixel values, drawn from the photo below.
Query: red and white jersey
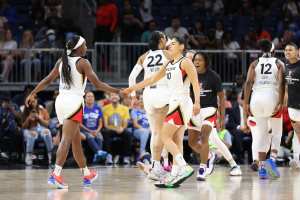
(153, 62)
(266, 74)
(78, 84)
(178, 82)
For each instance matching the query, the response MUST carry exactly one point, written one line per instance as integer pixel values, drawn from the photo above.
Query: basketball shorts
(69, 106)
(207, 116)
(155, 98)
(294, 114)
(180, 110)
(263, 104)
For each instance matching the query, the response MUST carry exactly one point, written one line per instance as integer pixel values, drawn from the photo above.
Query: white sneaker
(295, 164)
(211, 163)
(157, 174)
(202, 173)
(28, 159)
(235, 171)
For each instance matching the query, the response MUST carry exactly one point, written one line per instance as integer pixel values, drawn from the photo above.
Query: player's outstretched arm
(86, 68)
(149, 81)
(44, 83)
(192, 74)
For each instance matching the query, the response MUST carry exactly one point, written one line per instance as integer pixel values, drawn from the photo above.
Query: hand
(196, 108)
(133, 101)
(126, 91)
(277, 109)
(29, 100)
(94, 133)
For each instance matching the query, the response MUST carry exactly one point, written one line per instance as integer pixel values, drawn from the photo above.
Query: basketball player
(293, 87)
(203, 126)
(179, 73)
(265, 81)
(156, 97)
(73, 71)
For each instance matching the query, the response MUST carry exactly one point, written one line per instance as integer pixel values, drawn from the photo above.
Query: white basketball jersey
(78, 81)
(178, 82)
(152, 64)
(266, 74)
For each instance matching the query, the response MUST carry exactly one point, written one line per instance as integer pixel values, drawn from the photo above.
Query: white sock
(203, 165)
(180, 160)
(174, 171)
(85, 171)
(57, 170)
(232, 163)
(156, 164)
(261, 163)
(165, 155)
(296, 147)
(214, 138)
(273, 156)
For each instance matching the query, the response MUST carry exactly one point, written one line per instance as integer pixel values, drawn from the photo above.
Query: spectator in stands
(211, 42)
(218, 7)
(147, 34)
(106, 21)
(116, 118)
(92, 126)
(219, 30)
(131, 28)
(240, 134)
(280, 42)
(198, 31)
(9, 12)
(145, 10)
(176, 29)
(141, 127)
(35, 125)
(7, 54)
(28, 58)
(262, 34)
(19, 99)
(50, 41)
(53, 8)
(292, 7)
(53, 122)
(10, 131)
(230, 44)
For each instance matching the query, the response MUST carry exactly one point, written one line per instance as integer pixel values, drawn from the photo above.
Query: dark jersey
(210, 85)
(292, 77)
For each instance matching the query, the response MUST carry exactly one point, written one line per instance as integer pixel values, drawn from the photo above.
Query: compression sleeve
(133, 75)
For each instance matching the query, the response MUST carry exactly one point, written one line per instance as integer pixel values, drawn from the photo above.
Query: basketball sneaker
(211, 163)
(157, 174)
(235, 171)
(88, 180)
(202, 173)
(262, 173)
(168, 182)
(272, 168)
(254, 166)
(56, 181)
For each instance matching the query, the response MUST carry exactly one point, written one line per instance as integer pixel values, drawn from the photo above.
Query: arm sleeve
(133, 75)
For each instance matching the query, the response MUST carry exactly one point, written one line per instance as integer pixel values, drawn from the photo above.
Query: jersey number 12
(266, 68)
